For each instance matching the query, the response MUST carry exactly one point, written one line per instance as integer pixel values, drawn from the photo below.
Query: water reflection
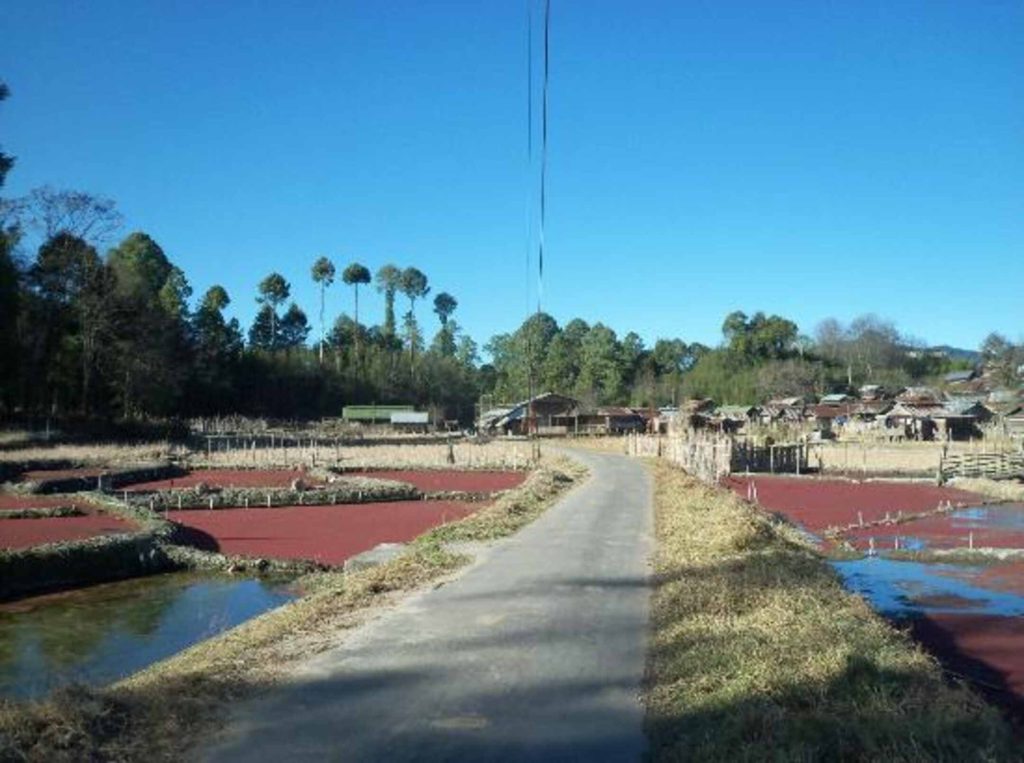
(998, 517)
(899, 588)
(107, 632)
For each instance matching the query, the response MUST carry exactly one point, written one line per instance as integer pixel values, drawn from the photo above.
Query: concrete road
(536, 653)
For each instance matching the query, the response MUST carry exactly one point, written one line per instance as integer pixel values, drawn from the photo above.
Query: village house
(546, 414)
(923, 415)
(609, 419)
(784, 410)
(729, 419)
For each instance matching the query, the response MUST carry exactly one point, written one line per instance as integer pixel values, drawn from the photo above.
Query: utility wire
(529, 154)
(544, 153)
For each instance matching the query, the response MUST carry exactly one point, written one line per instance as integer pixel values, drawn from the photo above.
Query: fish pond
(104, 633)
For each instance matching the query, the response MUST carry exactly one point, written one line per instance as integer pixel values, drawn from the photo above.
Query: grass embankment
(157, 713)
(68, 564)
(467, 454)
(758, 652)
(98, 454)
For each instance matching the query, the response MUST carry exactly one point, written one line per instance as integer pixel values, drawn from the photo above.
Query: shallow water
(998, 517)
(899, 588)
(101, 634)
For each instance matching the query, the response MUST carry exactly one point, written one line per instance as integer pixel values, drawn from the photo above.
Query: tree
(294, 328)
(760, 337)
(10, 300)
(323, 276)
(218, 347)
(6, 161)
(414, 286)
(91, 218)
(354, 275)
(140, 265)
(273, 291)
(150, 355)
(444, 306)
(264, 331)
(601, 372)
(444, 342)
(388, 281)
(175, 293)
(1003, 358)
(72, 282)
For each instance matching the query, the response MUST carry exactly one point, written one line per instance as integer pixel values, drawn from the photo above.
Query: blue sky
(812, 159)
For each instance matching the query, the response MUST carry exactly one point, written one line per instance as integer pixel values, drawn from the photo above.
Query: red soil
(986, 648)
(469, 482)
(25, 533)
(227, 478)
(938, 532)
(819, 504)
(328, 534)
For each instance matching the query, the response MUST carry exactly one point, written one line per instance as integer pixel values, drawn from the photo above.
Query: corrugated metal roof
(371, 412)
(959, 376)
(735, 411)
(616, 410)
(410, 417)
(837, 397)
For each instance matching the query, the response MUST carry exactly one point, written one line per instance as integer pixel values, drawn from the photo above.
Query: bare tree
(91, 218)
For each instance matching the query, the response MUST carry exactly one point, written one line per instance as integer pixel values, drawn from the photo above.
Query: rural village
(430, 526)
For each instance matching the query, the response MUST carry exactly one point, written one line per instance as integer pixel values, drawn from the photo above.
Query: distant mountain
(957, 353)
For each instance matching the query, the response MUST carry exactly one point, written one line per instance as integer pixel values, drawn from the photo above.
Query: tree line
(118, 335)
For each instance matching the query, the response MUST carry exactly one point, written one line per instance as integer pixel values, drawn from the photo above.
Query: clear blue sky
(811, 159)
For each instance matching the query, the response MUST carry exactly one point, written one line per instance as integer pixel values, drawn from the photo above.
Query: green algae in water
(104, 633)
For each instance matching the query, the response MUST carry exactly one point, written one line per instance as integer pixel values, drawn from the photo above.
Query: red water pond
(819, 504)
(327, 534)
(25, 533)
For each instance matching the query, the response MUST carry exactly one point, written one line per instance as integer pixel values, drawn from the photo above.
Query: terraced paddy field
(325, 534)
(20, 530)
(817, 504)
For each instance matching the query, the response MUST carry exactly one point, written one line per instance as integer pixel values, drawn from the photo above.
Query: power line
(544, 153)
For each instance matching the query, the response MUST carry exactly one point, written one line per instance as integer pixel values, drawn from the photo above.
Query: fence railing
(995, 466)
(783, 458)
(712, 458)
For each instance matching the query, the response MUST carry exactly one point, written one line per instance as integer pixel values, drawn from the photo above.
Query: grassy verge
(155, 714)
(759, 653)
(1001, 490)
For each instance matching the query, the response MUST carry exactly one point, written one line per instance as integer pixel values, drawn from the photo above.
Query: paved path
(536, 653)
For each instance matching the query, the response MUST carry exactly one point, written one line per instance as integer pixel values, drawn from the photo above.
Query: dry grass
(9, 437)
(157, 713)
(913, 458)
(600, 444)
(1001, 490)
(758, 652)
(97, 454)
(496, 454)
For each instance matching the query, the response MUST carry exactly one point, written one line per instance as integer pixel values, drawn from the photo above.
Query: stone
(380, 554)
